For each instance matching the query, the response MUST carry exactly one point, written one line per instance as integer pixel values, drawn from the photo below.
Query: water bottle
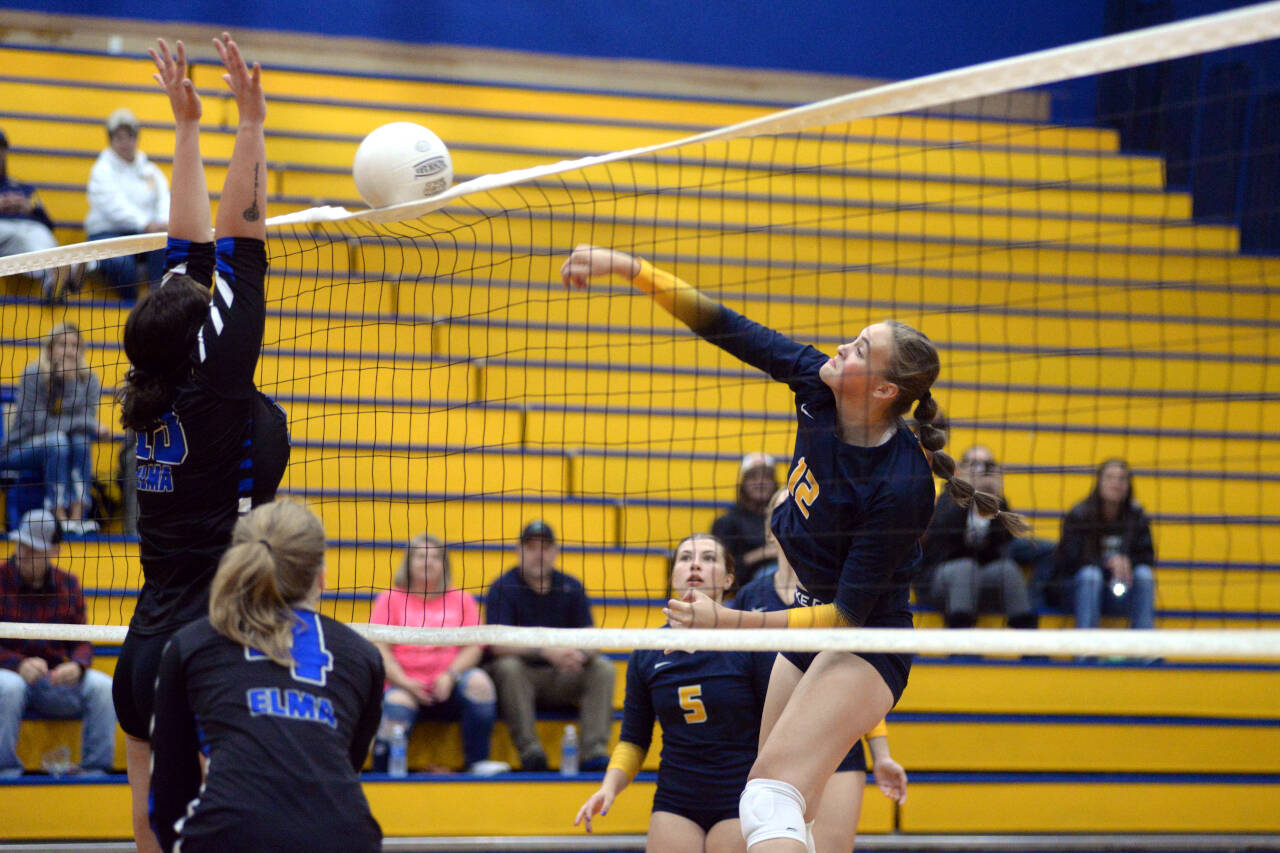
(398, 754)
(569, 751)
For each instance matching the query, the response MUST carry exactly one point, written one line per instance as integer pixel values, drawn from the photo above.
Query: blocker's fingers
(233, 51)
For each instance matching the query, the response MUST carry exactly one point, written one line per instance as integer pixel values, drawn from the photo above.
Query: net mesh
(1088, 301)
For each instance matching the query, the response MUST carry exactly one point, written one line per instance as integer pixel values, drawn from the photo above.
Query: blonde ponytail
(276, 553)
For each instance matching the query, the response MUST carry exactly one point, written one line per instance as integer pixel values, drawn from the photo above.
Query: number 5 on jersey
(691, 702)
(802, 486)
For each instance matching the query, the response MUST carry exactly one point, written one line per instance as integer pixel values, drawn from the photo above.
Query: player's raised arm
(757, 345)
(243, 209)
(189, 217)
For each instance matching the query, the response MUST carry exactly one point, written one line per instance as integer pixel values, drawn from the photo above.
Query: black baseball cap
(538, 529)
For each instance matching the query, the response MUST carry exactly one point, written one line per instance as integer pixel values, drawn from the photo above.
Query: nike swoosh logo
(804, 407)
(757, 610)
(660, 664)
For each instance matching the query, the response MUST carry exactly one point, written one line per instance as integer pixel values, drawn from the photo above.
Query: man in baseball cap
(538, 529)
(128, 194)
(49, 678)
(535, 593)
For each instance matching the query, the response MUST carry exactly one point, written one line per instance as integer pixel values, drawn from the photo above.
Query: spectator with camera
(1106, 552)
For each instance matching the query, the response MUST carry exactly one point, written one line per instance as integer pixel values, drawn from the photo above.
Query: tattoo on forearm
(251, 212)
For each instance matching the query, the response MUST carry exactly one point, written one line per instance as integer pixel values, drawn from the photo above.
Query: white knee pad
(811, 846)
(770, 808)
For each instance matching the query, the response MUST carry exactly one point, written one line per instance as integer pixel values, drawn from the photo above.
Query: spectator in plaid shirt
(48, 678)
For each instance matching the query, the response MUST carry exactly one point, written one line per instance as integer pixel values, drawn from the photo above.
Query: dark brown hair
(914, 366)
(159, 340)
(1093, 503)
(729, 566)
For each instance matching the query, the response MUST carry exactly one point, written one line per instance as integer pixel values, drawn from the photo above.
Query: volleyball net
(1094, 288)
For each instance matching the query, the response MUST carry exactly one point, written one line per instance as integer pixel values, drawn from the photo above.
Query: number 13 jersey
(191, 469)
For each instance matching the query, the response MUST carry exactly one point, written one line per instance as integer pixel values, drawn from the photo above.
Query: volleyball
(400, 162)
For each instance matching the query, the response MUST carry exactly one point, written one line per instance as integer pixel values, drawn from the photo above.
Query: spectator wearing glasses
(966, 567)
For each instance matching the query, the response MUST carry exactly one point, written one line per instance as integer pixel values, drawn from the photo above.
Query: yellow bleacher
(940, 216)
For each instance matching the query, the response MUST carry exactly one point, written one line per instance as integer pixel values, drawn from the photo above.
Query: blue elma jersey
(853, 525)
(709, 706)
(190, 466)
(285, 745)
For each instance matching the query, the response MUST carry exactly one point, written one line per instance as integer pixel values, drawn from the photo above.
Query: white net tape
(1218, 645)
(1127, 50)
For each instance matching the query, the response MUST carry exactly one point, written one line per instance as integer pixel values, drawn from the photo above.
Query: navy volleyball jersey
(709, 705)
(285, 746)
(852, 528)
(759, 595)
(190, 467)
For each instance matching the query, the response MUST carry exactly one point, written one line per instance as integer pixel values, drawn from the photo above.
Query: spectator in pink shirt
(434, 682)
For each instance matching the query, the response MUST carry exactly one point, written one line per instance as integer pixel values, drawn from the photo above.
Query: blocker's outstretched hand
(244, 83)
(171, 74)
(587, 263)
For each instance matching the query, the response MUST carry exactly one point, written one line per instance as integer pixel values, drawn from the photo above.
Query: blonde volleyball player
(835, 825)
(862, 495)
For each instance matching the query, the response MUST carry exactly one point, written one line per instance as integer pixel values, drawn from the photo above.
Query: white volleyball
(400, 162)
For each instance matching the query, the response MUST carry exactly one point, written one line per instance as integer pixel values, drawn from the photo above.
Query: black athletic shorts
(894, 669)
(856, 759)
(133, 689)
(705, 816)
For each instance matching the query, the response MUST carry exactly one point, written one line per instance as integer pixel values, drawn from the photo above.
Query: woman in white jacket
(128, 194)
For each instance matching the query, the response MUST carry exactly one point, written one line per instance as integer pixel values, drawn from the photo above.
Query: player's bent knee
(769, 809)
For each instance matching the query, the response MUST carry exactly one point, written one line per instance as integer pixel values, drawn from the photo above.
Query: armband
(626, 757)
(677, 296)
(821, 616)
(880, 730)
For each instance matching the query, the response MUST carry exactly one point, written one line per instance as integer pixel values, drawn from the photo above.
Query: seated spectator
(25, 226)
(741, 529)
(1107, 553)
(128, 194)
(49, 678)
(534, 593)
(53, 422)
(965, 567)
(434, 682)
